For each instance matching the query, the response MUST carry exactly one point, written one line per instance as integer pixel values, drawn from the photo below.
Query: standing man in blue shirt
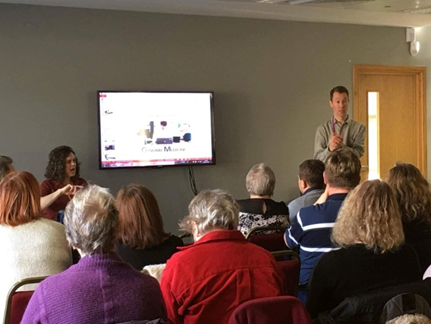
(312, 228)
(341, 130)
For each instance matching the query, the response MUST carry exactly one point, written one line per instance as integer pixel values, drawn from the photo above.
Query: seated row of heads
(372, 214)
(374, 211)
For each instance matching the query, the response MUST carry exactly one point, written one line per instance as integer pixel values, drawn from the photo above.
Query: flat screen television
(154, 129)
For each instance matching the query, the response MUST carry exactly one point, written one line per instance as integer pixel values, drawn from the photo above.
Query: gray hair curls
(91, 220)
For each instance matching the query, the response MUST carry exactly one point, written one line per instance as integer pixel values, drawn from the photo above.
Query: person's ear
(302, 185)
(324, 178)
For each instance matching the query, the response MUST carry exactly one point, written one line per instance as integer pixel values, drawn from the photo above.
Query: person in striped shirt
(311, 229)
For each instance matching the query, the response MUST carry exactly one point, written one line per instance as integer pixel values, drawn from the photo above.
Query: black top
(252, 214)
(139, 258)
(354, 270)
(418, 235)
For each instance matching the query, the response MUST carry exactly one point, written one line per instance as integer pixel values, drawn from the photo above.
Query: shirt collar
(219, 235)
(311, 189)
(345, 122)
(337, 196)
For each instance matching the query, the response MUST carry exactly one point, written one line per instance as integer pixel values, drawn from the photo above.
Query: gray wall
(271, 81)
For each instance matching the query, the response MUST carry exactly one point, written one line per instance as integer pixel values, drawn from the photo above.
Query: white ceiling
(367, 12)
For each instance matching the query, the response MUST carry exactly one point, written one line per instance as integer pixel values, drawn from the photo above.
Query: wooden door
(401, 114)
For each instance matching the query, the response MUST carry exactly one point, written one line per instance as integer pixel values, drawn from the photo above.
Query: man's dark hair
(343, 169)
(57, 157)
(311, 171)
(339, 89)
(5, 162)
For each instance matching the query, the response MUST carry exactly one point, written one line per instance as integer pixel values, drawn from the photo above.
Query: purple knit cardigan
(99, 289)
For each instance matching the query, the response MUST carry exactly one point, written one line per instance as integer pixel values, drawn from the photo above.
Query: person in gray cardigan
(310, 184)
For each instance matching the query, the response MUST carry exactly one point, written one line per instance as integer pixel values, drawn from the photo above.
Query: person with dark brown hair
(142, 239)
(63, 180)
(310, 184)
(30, 246)
(5, 166)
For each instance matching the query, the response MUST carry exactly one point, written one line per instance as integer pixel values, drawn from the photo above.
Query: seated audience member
(414, 199)
(311, 186)
(372, 255)
(30, 246)
(62, 173)
(410, 319)
(142, 239)
(312, 227)
(5, 166)
(260, 209)
(100, 288)
(205, 281)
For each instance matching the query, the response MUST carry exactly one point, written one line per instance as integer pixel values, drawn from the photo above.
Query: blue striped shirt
(311, 230)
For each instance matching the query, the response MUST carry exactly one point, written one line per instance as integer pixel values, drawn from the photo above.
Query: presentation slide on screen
(145, 128)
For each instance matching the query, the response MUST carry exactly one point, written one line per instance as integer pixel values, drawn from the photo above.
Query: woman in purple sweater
(100, 288)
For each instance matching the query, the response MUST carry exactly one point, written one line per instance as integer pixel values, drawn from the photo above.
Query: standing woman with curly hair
(62, 173)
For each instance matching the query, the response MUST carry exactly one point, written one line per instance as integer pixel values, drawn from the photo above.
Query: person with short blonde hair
(142, 239)
(30, 246)
(260, 209)
(312, 227)
(206, 281)
(413, 194)
(372, 255)
(101, 288)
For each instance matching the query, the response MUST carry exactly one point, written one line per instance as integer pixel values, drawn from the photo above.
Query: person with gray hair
(5, 166)
(260, 209)
(101, 288)
(204, 282)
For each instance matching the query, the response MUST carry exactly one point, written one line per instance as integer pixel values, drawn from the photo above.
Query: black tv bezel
(213, 139)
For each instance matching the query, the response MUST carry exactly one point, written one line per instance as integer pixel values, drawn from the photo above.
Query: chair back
(16, 302)
(291, 270)
(271, 310)
(367, 307)
(273, 241)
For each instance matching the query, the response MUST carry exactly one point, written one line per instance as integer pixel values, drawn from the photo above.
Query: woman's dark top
(354, 270)
(139, 258)
(418, 235)
(256, 212)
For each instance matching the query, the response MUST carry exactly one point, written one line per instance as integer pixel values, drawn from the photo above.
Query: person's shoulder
(49, 224)
(174, 240)
(278, 206)
(80, 182)
(296, 203)
(357, 123)
(48, 183)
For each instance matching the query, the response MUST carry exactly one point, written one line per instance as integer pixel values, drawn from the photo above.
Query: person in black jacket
(372, 254)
